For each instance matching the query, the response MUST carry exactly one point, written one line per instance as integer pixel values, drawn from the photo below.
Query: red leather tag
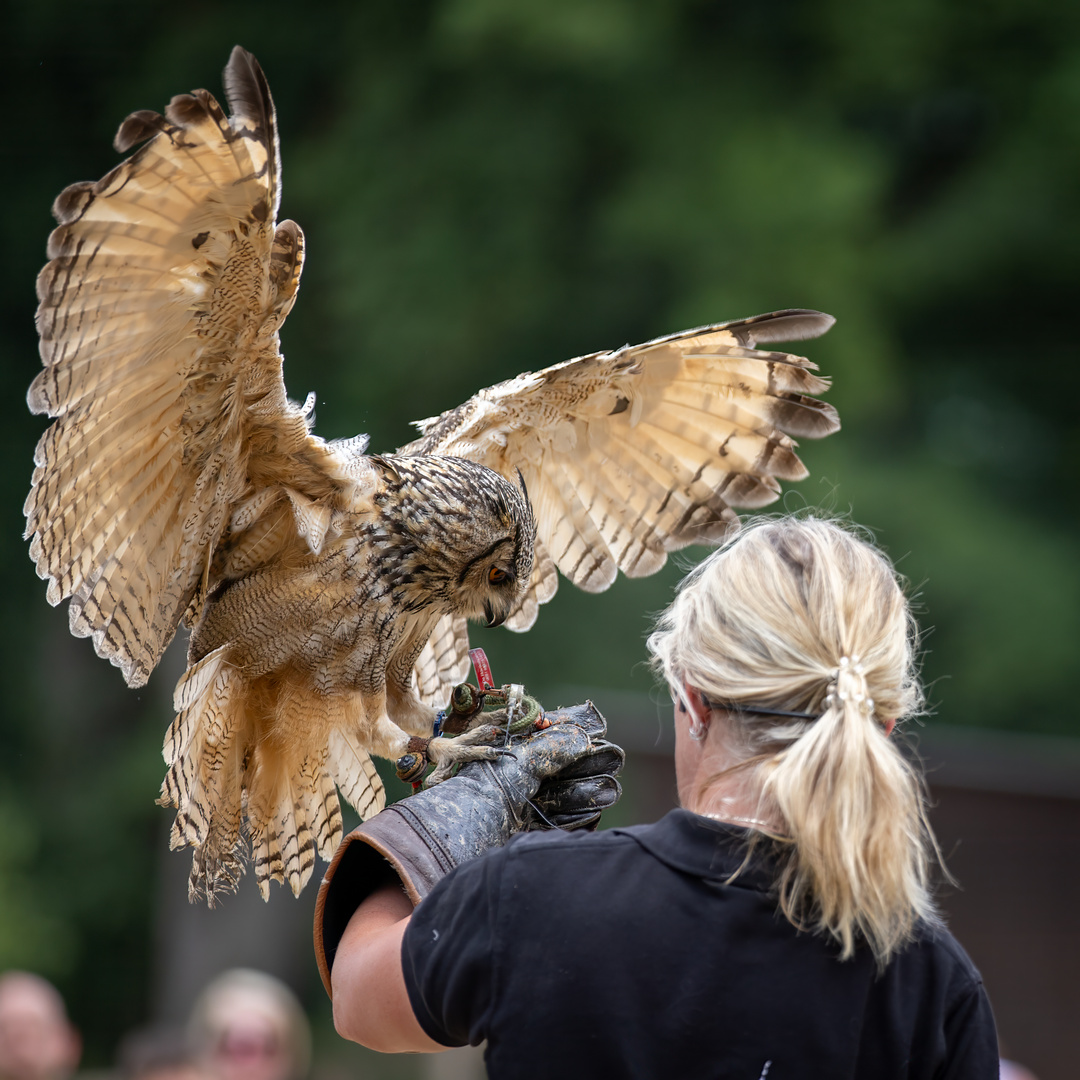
(482, 668)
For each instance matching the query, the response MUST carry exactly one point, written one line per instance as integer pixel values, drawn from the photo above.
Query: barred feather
(158, 321)
(321, 804)
(205, 751)
(357, 778)
(542, 586)
(443, 661)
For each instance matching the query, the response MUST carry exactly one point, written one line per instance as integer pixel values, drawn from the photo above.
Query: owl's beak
(492, 618)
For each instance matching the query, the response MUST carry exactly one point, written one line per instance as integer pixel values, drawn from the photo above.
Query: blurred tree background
(491, 186)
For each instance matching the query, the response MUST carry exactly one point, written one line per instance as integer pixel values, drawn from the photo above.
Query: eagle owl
(328, 589)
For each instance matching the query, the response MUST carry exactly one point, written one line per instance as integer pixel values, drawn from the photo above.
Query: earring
(696, 729)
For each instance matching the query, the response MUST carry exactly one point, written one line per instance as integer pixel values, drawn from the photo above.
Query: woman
(778, 924)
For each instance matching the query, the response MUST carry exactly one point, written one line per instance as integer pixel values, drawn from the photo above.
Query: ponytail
(855, 865)
(804, 617)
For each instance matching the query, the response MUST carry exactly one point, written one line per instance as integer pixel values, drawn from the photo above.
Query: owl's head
(499, 555)
(465, 536)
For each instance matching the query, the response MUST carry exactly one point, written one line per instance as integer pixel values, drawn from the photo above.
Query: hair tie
(848, 683)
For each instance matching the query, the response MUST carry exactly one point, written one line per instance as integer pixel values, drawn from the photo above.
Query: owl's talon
(449, 767)
(475, 745)
(440, 773)
(477, 735)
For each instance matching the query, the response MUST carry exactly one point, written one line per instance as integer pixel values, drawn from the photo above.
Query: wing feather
(443, 661)
(159, 313)
(542, 587)
(352, 768)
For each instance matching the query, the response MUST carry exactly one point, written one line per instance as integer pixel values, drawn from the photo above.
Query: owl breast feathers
(328, 589)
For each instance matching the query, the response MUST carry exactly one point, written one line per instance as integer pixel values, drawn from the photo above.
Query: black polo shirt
(624, 954)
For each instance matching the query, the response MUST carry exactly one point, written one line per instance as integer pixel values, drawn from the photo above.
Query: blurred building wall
(1007, 816)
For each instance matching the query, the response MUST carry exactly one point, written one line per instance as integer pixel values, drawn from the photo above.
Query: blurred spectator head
(247, 1025)
(37, 1041)
(159, 1054)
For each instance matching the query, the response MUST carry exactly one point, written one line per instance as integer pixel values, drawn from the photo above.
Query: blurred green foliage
(491, 186)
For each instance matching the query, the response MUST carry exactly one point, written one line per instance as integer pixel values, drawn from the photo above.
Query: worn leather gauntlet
(575, 797)
(562, 776)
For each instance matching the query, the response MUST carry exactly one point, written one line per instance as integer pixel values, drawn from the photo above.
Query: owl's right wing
(631, 454)
(175, 458)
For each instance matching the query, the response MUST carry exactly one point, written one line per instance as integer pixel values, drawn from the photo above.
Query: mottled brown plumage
(328, 590)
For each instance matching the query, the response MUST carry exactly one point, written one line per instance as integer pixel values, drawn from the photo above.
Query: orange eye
(497, 576)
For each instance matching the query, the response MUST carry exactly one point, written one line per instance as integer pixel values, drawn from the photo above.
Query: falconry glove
(576, 796)
(562, 774)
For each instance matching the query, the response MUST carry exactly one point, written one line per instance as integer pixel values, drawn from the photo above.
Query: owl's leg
(408, 711)
(484, 743)
(396, 717)
(385, 737)
(390, 737)
(412, 715)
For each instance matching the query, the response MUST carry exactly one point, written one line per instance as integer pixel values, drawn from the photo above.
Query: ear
(521, 484)
(528, 503)
(889, 725)
(695, 700)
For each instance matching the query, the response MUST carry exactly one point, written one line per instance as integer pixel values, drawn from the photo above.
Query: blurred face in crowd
(251, 1041)
(37, 1041)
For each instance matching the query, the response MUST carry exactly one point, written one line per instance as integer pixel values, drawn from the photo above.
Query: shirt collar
(705, 848)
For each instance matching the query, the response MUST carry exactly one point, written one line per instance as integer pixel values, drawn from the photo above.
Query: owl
(328, 589)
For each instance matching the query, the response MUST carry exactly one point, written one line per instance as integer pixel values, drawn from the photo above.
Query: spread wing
(176, 457)
(631, 454)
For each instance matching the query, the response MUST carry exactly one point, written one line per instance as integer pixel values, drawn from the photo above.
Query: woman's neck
(717, 788)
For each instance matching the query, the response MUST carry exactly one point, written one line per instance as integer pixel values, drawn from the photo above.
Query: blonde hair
(800, 615)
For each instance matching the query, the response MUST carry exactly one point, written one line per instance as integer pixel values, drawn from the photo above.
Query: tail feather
(266, 852)
(272, 817)
(232, 757)
(219, 862)
(322, 806)
(197, 678)
(205, 750)
(293, 808)
(201, 697)
(290, 823)
(355, 773)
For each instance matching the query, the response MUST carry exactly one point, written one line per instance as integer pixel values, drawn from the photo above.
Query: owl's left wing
(630, 454)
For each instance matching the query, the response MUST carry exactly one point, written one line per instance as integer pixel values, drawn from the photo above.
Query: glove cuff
(458, 821)
(394, 844)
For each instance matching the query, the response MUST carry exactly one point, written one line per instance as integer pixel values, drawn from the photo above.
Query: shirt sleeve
(971, 1039)
(447, 954)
